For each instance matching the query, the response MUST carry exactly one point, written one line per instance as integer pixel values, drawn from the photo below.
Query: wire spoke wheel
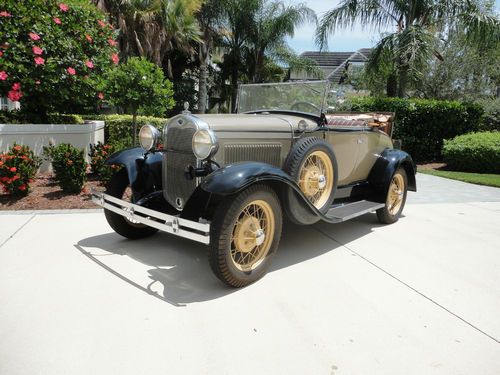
(395, 194)
(252, 235)
(316, 178)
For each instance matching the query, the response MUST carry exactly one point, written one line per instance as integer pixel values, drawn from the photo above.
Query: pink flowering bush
(53, 54)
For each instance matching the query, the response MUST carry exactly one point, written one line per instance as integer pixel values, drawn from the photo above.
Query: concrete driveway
(421, 296)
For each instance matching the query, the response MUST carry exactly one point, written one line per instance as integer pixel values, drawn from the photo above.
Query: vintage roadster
(228, 180)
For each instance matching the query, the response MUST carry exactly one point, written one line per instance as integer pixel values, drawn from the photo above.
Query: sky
(341, 41)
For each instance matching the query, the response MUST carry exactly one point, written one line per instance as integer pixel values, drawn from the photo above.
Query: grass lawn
(473, 178)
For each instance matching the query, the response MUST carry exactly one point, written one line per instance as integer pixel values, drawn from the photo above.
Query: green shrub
(491, 119)
(423, 124)
(21, 117)
(117, 129)
(473, 152)
(17, 170)
(98, 155)
(69, 166)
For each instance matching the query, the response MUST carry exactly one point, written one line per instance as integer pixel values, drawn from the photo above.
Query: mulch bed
(47, 195)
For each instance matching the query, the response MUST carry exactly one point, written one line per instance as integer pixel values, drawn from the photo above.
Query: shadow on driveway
(181, 266)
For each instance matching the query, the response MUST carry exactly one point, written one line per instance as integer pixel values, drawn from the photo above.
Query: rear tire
(395, 199)
(117, 187)
(245, 234)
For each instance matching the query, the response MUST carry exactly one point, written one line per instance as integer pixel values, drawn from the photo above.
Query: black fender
(233, 178)
(143, 169)
(387, 163)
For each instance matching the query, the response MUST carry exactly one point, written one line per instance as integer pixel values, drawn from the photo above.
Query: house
(333, 64)
(7, 105)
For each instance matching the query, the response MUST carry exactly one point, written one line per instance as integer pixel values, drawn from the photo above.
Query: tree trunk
(203, 78)
(134, 127)
(392, 85)
(234, 86)
(403, 81)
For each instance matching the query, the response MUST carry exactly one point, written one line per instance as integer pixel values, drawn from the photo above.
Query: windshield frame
(326, 89)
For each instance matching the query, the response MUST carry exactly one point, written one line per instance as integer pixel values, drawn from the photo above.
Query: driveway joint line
(17, 231)
(409, 286)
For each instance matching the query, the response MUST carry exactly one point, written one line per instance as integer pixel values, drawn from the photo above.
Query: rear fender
(387, 163)
(143, 170)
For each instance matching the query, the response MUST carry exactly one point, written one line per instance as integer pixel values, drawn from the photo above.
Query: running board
(348, 211)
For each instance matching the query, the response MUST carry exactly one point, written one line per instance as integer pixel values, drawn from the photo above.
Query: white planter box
(36, 136)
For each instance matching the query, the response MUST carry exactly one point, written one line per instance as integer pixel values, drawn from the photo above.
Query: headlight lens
(148, 137)
(204, 144)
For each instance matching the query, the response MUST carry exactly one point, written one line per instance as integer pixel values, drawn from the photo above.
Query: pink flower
(115, 58)
(16, 86)
(3, 75)
(34, 36)
(100, 95)
(1, 53)
(88, 37)
(102, 24)
(112, 42)
(57, 20)
(14, 96)
(89, 64)
(39, 60)
(63, 7)
(37, 50)
(37, 82)
(71, 71)
(5, 14)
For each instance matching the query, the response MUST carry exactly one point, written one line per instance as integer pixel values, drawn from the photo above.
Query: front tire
(245, 234)
(117, 187)
(395, 199)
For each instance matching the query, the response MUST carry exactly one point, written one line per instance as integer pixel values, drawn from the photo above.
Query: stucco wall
(36, 136)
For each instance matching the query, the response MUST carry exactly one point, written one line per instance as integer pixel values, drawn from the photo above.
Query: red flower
(69, 162)
(5, 14)
(15, 178)
(1, 53)
(39, 60)
(102, 24)
(22, 187)
(13, 169)
(14, 96)
(17, 147)
(100, 95)
(115, 58)
(63, 7)
(112, 42)
(16, 87)
(3, 75)
(57, 20)
(88, 37)
(71, 71)
(34, 36)
(89, 64)
(37, 50)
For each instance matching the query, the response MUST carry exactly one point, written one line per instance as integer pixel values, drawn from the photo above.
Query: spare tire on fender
(312, 164)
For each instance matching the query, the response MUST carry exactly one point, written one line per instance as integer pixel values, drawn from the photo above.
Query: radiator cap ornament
(186, 109)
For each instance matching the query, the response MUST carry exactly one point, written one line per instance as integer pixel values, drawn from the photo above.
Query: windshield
(303, 97)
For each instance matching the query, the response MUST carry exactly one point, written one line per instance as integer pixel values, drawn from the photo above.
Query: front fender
(143, 170)
(385, 166)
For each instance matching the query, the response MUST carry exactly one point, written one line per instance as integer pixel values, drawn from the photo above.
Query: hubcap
(252, 235)
(395, 195)
(316, 178)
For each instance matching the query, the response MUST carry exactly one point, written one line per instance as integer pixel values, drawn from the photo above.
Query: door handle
(360, 141)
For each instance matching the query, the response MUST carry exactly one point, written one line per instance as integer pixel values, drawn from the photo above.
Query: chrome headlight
(205, 144)
(148, 137)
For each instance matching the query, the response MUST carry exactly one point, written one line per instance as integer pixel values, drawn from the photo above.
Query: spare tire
(312, 164)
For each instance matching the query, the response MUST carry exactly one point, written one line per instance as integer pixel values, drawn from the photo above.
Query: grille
(179, 155)
(266, 153)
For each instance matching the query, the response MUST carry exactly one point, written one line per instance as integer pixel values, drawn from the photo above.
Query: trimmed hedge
(423, 124)
(118, 129)
(20, 117)
(474, 152)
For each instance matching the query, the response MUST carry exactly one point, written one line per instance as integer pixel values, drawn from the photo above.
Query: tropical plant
(418, 25)
(69, 166)
(137, 85)
(17, 170)
(52, 54)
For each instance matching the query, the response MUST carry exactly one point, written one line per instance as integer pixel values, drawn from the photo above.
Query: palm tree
(417, 26)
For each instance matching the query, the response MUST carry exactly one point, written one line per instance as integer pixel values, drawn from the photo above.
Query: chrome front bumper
(193, 230)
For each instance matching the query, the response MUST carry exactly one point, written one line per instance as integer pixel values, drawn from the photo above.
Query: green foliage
(17, 169)
(117, 128)
(22, 117)
(423, 124)
(491, 120)
(474, 152)
(139, 84)
(53, 54)
(69, 166)
(98, 154)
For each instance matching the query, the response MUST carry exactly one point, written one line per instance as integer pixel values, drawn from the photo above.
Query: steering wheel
(296, 106)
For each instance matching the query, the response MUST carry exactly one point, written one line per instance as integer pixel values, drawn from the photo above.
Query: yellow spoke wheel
(316, 178)
(395, 198)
